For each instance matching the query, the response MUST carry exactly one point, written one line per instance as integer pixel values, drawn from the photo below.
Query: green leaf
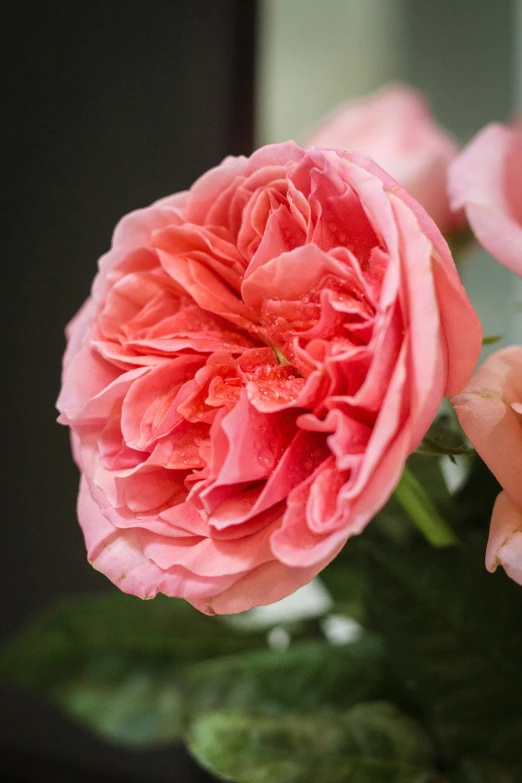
(455, 642)
(487, 771)
(429, 474)
(392, 521)
(460, 242)
(305, 677)
(370, 743)
(492, 339)
(116, 663)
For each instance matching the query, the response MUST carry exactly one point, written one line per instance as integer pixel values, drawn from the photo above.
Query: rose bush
(258, 358)
(394, 126)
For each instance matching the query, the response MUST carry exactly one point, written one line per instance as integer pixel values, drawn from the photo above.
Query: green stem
(422, 512)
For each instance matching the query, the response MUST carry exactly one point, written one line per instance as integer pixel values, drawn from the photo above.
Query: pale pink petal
(207, 189)
(136, 228)
(505, 538)
(86, 375)
(486, 414)
(395, 128)
(119, 556)
(77, 330)
(486, 180)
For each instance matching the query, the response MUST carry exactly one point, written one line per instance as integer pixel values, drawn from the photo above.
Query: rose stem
(422, 512)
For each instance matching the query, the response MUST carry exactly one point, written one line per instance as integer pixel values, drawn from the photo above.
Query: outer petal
(264, 585)
(136, 228)
(118, 555)
(77, 330)
(428, 361)
(460, 322)
(85, 376)
(486, 413)
(486, 180)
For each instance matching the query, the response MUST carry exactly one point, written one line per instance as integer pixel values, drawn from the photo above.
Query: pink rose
(395, 127)
(486, 180)
(258, 358)
(489, 410)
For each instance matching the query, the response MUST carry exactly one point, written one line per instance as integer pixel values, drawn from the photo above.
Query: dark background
(109, 107)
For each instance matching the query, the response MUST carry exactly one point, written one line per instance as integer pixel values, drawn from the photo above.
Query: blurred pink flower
(395, 127)
(258, 358)
(486, 180)
(489, 410)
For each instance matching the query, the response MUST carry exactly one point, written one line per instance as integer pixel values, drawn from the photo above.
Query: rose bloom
(486, 180)
(258, 358)
(395, 127)
(490, 412)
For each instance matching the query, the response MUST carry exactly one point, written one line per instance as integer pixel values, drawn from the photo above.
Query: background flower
(489, 410)
(486, 180)
(395, 127)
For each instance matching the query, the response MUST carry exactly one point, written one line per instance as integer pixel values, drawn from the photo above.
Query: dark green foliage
(370, 743)
(454, 641)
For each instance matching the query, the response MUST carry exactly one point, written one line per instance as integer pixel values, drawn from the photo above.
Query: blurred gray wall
(463, 54)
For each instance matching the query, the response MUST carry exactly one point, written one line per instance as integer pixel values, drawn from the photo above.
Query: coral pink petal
(290, 275)
(391, 419)
(136, 228)
(207, 556)
(463, 344)
(207, 189)
(294, 543)
(255, 440)
(149, 409)
(427, 356)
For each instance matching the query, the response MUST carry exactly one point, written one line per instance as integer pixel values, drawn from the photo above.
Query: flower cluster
(486, 180)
